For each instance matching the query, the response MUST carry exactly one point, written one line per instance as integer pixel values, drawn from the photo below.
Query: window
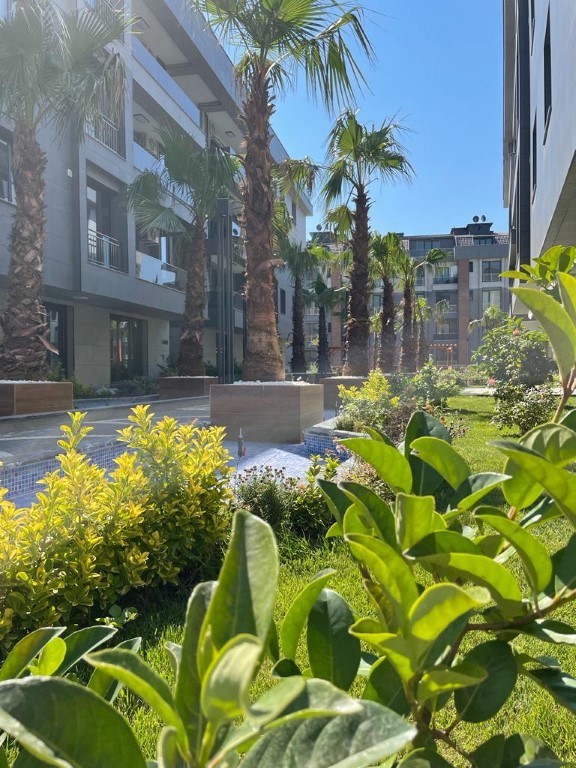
(294, 212)
(448, 298)
(103, 249)
(448, 328)
(57, 318)
(282, 301)
(312, 331)
(491, 271)
(424, 245)
(534, 154)
(6, 192)
(470, 266)
(490, 298)
(547, 78)
(532, 17)
(126, 348)
(447, 274)
(483, 241)
(420, 277)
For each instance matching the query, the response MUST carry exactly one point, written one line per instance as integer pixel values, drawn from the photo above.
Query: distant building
(539, 125)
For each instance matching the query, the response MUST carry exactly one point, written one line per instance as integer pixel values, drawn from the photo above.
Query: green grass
(530, 710)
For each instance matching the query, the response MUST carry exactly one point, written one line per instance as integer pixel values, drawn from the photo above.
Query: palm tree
(193, 180)
(299, 262)
(55, 69)
(278, 40)
(324, 298)
(358, 156)
(407, 272)
(425, 313)
(384, 254)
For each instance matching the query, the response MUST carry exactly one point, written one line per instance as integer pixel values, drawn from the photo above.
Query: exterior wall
(92, 345)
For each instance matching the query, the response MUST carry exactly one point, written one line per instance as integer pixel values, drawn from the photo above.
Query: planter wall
(171, 387)
(331, 399)
(268, 413)
(18, 398)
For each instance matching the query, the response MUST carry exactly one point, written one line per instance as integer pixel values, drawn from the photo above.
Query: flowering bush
(433, 385)
(522, 407)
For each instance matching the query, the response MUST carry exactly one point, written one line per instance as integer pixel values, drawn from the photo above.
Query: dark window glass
(547, 76)
(483, 241)
(126, 348)
(470, 266)
(491, 271)
(282, 301)
(535, 153)
(56, 319)
(5, 171)
(294, 212)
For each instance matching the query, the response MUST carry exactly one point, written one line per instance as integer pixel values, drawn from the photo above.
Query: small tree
(300, 262)
(324, 298)
(384, 254)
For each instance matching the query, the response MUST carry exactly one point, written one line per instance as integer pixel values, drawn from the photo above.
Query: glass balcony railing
(153, 270)
(105, 251)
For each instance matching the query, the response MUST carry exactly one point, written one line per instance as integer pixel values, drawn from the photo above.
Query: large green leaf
(443, 458)
(560, 685)
(425, 479)
(556, 322)
(474, 489)
(439, 681)
(385, 686)
(483, 701)
(244, 597)
(567, 286)
(105, 685)
(388, 462)
(559, 483)
(440, 605)
(443, 541)
(564, 572)
(81, 642)
(297, 614)
(169, 756)
(50, 657)
(555, 442)
(535, 559)
(338, 502)
(132, 671)
(64, 724)
(226, 685)
(348, 741)
(551, 631)
(524, 749)
(483, 571)
(26, 650)
(414, 518)
(187, 694)
(374, 511)
(425, 758)
(391, 572)
(333, 653)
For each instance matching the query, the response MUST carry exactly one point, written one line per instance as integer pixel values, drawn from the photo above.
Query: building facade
(115, 295)
(539, 125)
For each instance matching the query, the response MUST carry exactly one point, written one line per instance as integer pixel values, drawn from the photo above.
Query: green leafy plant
(521, 407)
(433, 385)
(208, 717)
(89, 538)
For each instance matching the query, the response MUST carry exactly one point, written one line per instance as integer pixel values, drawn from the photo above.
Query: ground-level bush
(91, 537)
(289, 506)
(521, 407)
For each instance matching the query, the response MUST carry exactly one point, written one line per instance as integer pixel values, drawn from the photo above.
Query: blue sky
(439, 69)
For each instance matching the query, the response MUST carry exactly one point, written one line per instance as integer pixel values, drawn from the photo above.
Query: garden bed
(325, 438)
(22, 398)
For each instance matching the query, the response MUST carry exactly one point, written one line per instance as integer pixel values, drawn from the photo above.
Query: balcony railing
(158, 272)
(106, 10)
(104, 251)
(108, 133)
(445, 279)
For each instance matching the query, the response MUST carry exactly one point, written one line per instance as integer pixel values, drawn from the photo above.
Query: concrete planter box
(331, 399)
(325, 438)
(170, 387)
(19, 398)
(270, 413)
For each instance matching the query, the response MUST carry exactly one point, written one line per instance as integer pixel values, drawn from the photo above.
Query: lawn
(531, 710)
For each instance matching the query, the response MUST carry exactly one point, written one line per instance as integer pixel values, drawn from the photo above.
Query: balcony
(105, 251)
(106, 10)
(445, 337)
(108, 133)
(152, 270)
(445, 279)
(144, 160)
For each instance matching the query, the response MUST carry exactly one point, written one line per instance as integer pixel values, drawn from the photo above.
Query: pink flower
(516, 332)
(492, 382)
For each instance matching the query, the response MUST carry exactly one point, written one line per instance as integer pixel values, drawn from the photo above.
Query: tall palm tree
(385, 251)
(56, 69)
(358, 155)
(300, 262)
(407, 272)
(277, 40)
(425, 313)
(194, 180)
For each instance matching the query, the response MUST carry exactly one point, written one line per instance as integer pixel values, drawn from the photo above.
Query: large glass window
(312, 331)
(490, 298)
(448, 298)
(5, 170)
(126, 347)
(491, 271)
(446, 273)
(56, 318)
(447, 328)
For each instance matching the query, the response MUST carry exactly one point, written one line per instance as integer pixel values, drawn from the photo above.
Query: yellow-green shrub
(90, 536)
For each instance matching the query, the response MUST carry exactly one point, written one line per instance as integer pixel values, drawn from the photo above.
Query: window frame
(6, 140)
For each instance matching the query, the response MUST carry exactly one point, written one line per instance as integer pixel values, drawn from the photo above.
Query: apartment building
(465, 284)
(115, 295)
(539, 149)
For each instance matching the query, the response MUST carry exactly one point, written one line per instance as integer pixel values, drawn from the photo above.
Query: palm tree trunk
(387, 346)
(298, 362)
(358, 325)
(25, 343)
(191, 357)
(409, 340)
(262, 359)
(324, 367)
(423, 346)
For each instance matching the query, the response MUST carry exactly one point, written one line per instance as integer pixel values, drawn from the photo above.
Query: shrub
(522, 407)
(91, 537)
(289, 506)
(433, 385)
